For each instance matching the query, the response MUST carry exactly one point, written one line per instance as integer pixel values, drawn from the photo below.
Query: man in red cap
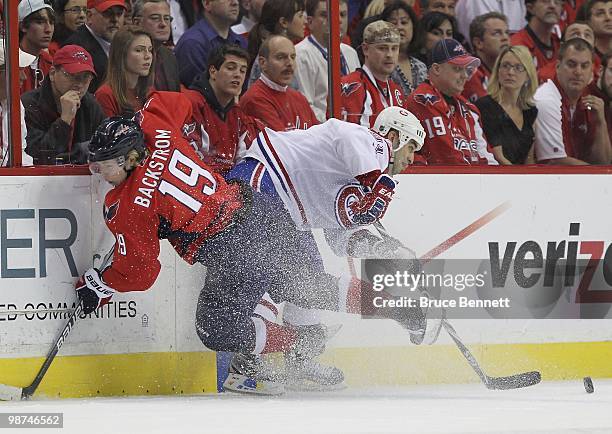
(454, 133)
(61, 115)
(104, 19)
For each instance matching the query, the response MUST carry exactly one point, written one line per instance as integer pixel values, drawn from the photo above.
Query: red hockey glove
(92, 291)
(373, 204)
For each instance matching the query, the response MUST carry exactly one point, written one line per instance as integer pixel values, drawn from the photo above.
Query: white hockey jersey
(314, 170)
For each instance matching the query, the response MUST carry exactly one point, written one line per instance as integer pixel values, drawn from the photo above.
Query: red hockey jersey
(364, 97)
(454, 135)
(281, 109)
(476, 86)
(541, 53)
(217, 140)
(172, 195)
(34, 78)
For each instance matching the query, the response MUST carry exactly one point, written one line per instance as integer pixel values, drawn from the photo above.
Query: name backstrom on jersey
(19, 243)
(155, 167)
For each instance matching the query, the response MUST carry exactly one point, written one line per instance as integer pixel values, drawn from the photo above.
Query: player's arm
(134, 267)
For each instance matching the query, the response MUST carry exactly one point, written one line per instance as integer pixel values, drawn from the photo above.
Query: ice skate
(249, 373)
(303, 371)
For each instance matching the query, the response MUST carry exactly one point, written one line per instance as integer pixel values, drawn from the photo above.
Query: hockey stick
(516, 381)
(12, 393)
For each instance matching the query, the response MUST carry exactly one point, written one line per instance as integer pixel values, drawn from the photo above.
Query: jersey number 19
(189, 173)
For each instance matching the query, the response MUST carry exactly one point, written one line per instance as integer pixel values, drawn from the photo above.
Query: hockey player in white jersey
(334, 176)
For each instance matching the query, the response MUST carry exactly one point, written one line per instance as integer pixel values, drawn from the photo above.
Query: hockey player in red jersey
(162, 190)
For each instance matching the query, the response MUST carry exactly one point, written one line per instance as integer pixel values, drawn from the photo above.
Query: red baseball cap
(102, 5)
(74, 59)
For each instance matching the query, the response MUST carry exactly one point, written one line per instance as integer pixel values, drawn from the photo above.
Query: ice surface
(550, 407)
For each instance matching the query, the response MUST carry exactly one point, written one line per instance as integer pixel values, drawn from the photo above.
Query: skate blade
(242, 384)
(309, 386)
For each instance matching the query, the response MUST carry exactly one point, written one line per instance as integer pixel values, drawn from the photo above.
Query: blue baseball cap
(451, 51)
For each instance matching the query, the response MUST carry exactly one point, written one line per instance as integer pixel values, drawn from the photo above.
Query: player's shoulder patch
(426, 98)
(399, 98)
(349, 88)
(110, 212)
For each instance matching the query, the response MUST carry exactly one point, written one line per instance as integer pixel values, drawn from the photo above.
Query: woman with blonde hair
(508, 111)
(129, 77)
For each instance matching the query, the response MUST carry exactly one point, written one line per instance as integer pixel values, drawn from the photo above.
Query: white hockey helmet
(400, 119)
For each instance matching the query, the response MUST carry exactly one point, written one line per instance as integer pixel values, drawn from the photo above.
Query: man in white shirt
(467, 10)
(311, 67)
(25, 59)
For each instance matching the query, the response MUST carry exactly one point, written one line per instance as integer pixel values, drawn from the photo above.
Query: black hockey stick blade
(517, 381)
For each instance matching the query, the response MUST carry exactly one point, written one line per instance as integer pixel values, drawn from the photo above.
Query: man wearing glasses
(154, 17)
(104, 19)
(36, 26)
(61, 115)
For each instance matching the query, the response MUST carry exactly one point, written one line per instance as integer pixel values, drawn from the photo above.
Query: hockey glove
(92, 291)
(374, 203)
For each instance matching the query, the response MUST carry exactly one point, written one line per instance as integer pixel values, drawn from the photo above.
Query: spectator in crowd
(61, 115)
(25, 60)
(598, 15)
(513, 10)
(538, 35)
(220, 129)
(605, 89)
(128, 79)
(252, 14)
(278, 17)
(311, 62)
(454, 132)
(154, 17)
(509, 112)
(445, 6)
(270, 98)
(432, 27)
(578, 29)
(368, 90)
(104, 19)
(571, 125)
(568, 13)
(36, 25)
(410, 71)
(489, 36)
(185, 13)
(374, 9)
(208, 33)
(69, 16)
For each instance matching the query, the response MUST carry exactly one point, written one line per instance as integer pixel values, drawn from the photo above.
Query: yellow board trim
(440, 364)
(196, 372)
(117, 374)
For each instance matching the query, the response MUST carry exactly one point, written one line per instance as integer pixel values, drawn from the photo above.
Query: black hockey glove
(92, 291)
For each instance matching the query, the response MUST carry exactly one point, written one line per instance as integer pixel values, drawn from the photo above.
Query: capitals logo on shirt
(426, 98)
(110, 212)
(349, 88)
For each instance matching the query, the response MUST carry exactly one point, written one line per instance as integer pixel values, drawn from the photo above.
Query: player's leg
(300, 367)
